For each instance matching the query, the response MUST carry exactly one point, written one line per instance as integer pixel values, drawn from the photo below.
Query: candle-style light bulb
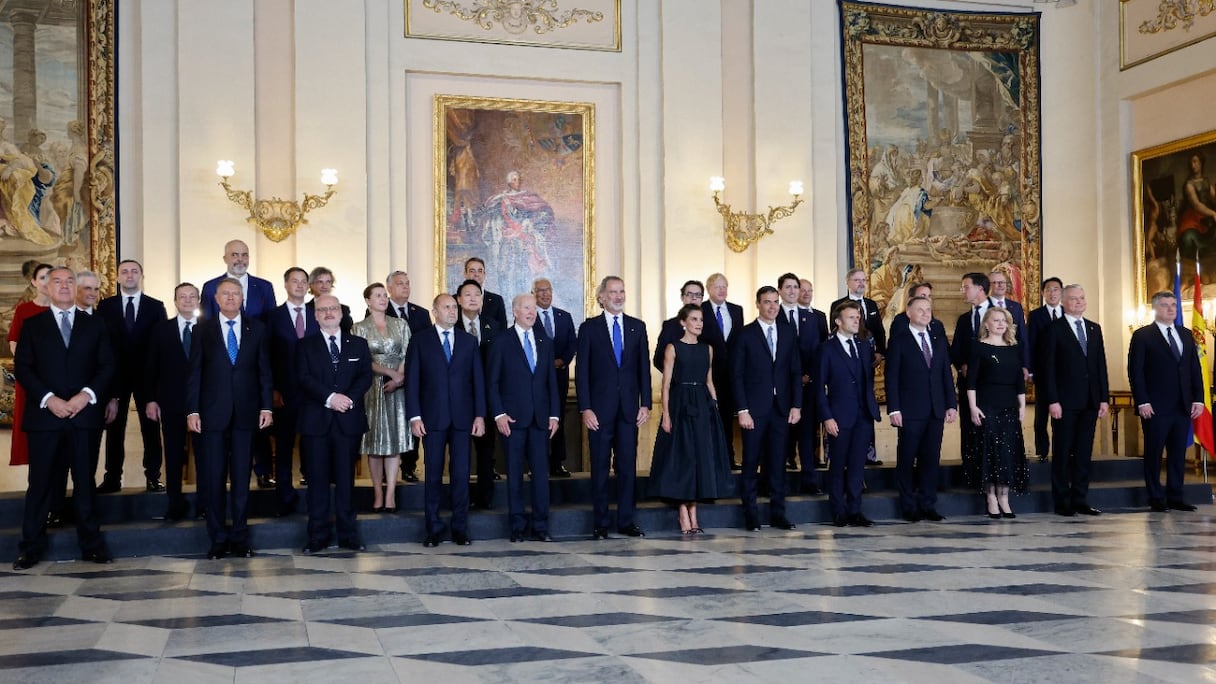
(224, 168)
(717, 183)
(796, 187)
(329, 177)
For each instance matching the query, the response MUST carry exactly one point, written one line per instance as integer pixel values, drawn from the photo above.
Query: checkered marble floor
(1126, 597)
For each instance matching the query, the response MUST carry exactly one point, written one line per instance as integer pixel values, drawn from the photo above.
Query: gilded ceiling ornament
(515, 15)
(1174, 13)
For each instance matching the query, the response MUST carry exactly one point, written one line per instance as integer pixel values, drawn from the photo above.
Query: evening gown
(389, 432)
(997, 455)
(691, 463)
(20, 454)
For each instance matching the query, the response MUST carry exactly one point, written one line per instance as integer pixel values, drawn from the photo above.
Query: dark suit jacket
(808, 338)
(1019, 320)
(755, 374)
(1074, 380)
(872, 320)
(565, 344)
(916, 390)
(494, 309)
(1036, 324)
(227, 396)
(319, 379)
(529, 398)
(168, 367)
(284, 345)
(445, 395)
(668, 333)
(259, 300)
(599, 384)
(417, 317)
(845, 387)
(1156, 378)
(900, 326)
(310, 311)
(964, 336)
(821, 324)
(712, 334)
(130, 348)
(44, 365)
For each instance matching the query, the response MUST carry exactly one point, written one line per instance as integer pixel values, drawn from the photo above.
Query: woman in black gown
(996, 393)
(690, 461)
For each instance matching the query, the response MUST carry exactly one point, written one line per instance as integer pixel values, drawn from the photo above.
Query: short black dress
(691, 463)
(997, 454)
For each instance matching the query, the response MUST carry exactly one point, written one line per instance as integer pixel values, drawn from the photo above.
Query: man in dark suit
(1167, 386)
(165, 375)
(258, 293)
(806, 331)
(1076, 391)
(723, 323)
(1036, 329)
(808, 429)
(920, 400)
(692, 292)
(766, 372)
(856, 282)
(493, 307)
(998, 291)
(65, 364)
(966, 331)
(290, 323)
(445, 399)
(483, 330)
(900, 323)
(418, 319)
(613, 388)
(557, 325)
(806, 297)
(228, 399)
(130, 317)
(335, 373)
(321, 282)
(521, 391)
(845, 387)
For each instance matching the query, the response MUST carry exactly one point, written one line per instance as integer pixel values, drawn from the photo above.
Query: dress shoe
(177, 512)
(791, 464)
(517, 537)
(410, 476)
(316, 547)
(109, 487)
(751, 524)
(810, 488)
(995, 516)
(265, 482)
(352, 544)
(1008, 516)
(631, 531)
(559, 471)
(155, 486)
(303, 481)
(1182, 506)
(497, 475)
(389, 510)
(240, 551)
(200, 512)
(912, 517)
(25, 560)
(736, 466)
(859, 520)
(100, 555)
(599, 533)
(377, 509)
(1065, 511)
(431, 541)
(1088, 510)
(933, 516)
(217, 551)
(781, 524)
(1042, 458)
(821, 464)
(840, 520)
(53, 519)
(1158, 507)
(874, 464)
(541, 537)
(461, 539)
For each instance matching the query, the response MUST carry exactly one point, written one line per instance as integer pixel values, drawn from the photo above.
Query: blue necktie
(531, 355)
(333, 351)
(65, 329)
(1169, 334)
(1081, 337)
(186, 339)
(721, 323)
(853, 350)
(548, 324)
(772, 342)
(618, 341)
(232, 346)
(447, 345)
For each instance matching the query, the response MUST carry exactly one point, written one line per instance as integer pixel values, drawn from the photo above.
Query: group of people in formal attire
(239, 380)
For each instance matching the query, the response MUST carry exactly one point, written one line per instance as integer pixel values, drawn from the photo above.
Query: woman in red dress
(20, 454)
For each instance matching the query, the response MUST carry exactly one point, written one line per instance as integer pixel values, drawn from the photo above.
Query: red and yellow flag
(1203, 424)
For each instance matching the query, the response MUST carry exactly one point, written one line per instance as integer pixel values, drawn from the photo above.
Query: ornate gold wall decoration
(1151, 28)
(1172, 14)
(592, 25)
(516, 16)
(102, 51)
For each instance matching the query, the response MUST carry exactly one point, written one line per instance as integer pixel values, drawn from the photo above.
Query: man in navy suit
(723, 323)
(290, 323)
(335, 373)
(165, 375)
(845, 387)
(692, 292)
(494, 309)
(966, 330)
(920, 400)
(228, 399)
(613, 388)
(998, 291)
(856, 281)
(258, 293)
(1036, 331)
(418, 319)
(65, 364)
(806, 331)
(445, 399)
(766, 371)
(1167, 386)
(483, 330)
(900, 323)
(521, 391)
(1076, 391)
(808, 429)
(557, 325)
(130, 317)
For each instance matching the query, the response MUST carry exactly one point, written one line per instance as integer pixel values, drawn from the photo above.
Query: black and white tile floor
(1126, 597)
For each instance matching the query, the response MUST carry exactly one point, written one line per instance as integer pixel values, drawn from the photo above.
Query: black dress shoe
(517, 537)
(559, 471)
(1182, 506)
(599, 533)
(410, 476)
(217, 551)
(873, 464)
(791, 464)
(53, 519)
(859, 520)
(155, 486)
(1065, 511)
(912, 517)
(736, 466)
(25, 560)
(431, 541)
(265, 482)
(178, 512)
(933, 516)
(200, 512)
(461, 539)
(781, 524)
(316, 547)
(1158, 506)
(541, 537)
(751, 524)
(100, 555)
(840, 520)
(303, 481)
(821, 464)
(497, 476)
(240, 551)
(631, 531)
(109, 487)
(1088, 510)
(810, 488)
(1042, 458)
(352, 545)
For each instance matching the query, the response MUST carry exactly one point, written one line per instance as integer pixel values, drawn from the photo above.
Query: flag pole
(1203, 453)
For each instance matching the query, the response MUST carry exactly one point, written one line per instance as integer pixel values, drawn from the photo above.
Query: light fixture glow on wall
(276, 218)
(742, 229)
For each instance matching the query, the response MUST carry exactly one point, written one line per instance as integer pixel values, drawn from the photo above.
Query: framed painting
(57, 154)
(514, 185)
(580, 24)
(942, 119)
(1174, 215)
(1151, 28)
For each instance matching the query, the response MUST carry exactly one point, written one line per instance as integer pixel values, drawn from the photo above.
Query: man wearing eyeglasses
(691, 293)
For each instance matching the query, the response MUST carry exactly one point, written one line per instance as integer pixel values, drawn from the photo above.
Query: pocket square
(354, 359)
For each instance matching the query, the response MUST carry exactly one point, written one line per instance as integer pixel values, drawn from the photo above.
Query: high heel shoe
(1008, 514)
(377, 509)
(389, 509)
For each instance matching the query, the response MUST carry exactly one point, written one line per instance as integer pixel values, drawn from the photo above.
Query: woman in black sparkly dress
(996, 394)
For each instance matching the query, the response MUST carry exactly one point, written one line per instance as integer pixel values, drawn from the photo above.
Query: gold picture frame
(1149, 29)
(515, 185)
(1165, 223)
(573, 24)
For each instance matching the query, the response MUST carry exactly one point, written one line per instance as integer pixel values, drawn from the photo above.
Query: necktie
(473, 331)
(401, 311)
(299, 322)
(1081, 337)
(1001, 304)
(721, 323)
(1055, 314)
(186, 338)
(128, 314)
(1169, 335)
(548, 323)
(447, 344)
(975, 323)
(772, 341)
(232, 346)
(618, 340)
(924, 349)
(794, 320)
(528, 353)
(852, 349)
(333, 351)
(65, 328)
